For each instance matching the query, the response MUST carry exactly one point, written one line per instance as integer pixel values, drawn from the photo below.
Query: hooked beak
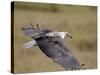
(69, 35)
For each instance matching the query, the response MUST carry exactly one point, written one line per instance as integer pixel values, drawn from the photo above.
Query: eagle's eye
(56, 42)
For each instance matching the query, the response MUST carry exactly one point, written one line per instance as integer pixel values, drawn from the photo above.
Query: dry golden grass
(80, 21)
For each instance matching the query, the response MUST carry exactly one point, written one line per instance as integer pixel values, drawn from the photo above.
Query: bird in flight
(51, 43)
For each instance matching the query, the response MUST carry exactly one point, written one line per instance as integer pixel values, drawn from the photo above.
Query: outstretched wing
(68, 62)
(30, 31)
(54, 48)
(34, 32)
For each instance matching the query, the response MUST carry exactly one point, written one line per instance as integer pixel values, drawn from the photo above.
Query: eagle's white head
(60, 34)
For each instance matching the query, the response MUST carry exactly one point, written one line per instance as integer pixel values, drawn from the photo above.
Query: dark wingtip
(71, 37)
(22, 28)
(82, 64)
(32, 25)
(38, 26)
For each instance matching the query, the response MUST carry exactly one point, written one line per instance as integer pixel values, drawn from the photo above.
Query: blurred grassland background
(80, 21)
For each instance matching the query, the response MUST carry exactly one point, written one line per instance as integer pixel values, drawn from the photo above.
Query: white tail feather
(30, 44)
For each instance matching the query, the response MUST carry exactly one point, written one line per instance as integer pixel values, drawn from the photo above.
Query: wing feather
(34, 32)
(55, 49)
